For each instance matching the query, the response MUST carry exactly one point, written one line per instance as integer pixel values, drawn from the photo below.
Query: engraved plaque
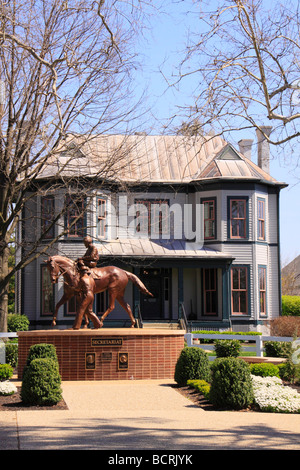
(106, 357)
(90, 361)
(107, 341)
(123, 361)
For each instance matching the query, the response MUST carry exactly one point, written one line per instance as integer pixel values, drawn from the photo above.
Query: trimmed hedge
(41, 350)
(264, 370)
(193, 363)
(41, 383)
(231, 385)
(201, 386)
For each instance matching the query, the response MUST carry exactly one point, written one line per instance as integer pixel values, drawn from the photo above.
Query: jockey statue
(90, 258)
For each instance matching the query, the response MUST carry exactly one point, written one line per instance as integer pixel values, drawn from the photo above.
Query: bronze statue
(90, 258)
(86, 285)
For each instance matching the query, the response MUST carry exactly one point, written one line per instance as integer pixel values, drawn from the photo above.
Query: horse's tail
(138, 283)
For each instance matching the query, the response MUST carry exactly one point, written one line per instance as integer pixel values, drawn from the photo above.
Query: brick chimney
(245, 146)
(263, 148)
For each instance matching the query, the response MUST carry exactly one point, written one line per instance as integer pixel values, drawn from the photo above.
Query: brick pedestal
(108, 354)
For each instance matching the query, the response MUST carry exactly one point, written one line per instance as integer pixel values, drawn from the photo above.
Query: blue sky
(161, 53)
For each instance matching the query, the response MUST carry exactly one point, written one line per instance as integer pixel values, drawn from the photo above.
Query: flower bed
(7, 388)
(271, 395)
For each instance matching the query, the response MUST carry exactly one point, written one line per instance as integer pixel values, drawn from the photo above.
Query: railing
(182, 317)
(258, 339)
(139, 317)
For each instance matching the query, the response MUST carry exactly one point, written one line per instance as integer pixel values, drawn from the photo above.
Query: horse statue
(84, 287)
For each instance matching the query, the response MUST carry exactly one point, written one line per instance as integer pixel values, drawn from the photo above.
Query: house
(196, 219)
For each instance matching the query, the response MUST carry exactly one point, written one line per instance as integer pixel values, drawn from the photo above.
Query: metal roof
(151, 159)
(145, 248)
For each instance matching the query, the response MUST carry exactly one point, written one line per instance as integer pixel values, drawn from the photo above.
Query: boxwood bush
(227, 347)
(41, 384)
(277, 348)
(193, 363)
(11, 353)
(16, 322)
(6, 371)
(231, 385)
(41, 350)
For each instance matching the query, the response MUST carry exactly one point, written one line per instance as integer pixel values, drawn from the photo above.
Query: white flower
(271, 395)
(7, 388)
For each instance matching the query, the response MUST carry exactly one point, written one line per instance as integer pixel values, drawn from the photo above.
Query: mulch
(14, 403)
(199, 400)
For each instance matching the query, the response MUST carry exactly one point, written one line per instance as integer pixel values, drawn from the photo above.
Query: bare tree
(65, 70)
(245, 57)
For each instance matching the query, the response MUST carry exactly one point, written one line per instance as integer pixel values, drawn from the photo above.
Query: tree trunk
(4, 285)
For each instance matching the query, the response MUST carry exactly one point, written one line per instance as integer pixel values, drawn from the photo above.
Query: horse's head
(53, 269)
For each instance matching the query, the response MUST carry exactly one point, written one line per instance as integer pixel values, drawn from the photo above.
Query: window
(262, 280)
(101, 217)
(209, 218)
(210, 291)
(238, 218)
(75, 217)
(47, 294)
(239, 290)
(47, 216)
(261, 219)
(152, 218)
(71, 306)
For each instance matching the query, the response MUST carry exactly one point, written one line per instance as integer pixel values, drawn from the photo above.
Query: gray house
(195, 218)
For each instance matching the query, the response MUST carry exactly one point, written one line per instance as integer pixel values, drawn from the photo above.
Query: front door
(152, 307)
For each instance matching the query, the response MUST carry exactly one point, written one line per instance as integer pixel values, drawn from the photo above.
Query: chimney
(245, 146)
(263, 148)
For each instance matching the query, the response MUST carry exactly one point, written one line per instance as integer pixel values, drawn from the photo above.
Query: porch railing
(259, 340)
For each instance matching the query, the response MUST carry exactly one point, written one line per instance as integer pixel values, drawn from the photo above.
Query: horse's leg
(66, 296)
(126, 307)
(86, 298)
(90, 315)
(112, 298)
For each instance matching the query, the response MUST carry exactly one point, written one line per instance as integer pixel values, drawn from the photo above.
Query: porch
(189, 284)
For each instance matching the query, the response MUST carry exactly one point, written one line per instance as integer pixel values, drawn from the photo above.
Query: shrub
(41, 350)
(11, 353)
(6, 371)
(201, 386)
(193, 363)
(285, 326)
(231, 385)
(264, 370)
(277, 348)
(16, 322)
(41, 383)
(291, 305)
(227, 347)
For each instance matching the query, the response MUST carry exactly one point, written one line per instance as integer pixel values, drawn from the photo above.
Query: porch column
(180, 291)
(226, 294)
(136, 295)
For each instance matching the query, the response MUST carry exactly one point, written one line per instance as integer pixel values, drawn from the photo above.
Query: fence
(258, 339)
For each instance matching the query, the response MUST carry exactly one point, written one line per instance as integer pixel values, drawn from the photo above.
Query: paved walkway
(142, 415)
